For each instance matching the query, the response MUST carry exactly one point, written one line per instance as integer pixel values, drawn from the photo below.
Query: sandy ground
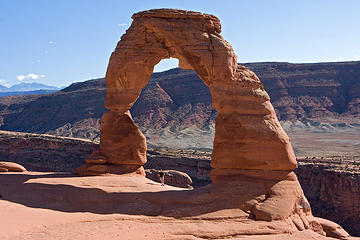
(41, 206)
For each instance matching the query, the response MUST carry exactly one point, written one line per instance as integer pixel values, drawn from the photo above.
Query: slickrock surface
(331, 186)
(63, 206)
(332, 194)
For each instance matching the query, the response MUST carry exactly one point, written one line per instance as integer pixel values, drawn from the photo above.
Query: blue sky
(60, 42)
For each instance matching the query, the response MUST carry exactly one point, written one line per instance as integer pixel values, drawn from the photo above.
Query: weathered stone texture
(248, 134)
(39, 152)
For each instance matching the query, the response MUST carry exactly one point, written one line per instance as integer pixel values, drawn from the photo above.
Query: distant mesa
(304, 96)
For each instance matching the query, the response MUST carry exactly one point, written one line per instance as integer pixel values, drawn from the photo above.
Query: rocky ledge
(61, 206)
(332, 194)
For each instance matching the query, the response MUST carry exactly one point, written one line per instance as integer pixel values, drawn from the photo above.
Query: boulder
(172, 177)
(11, 167)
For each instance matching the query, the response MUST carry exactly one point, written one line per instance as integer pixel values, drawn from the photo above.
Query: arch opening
(166, 64)
(175, 114)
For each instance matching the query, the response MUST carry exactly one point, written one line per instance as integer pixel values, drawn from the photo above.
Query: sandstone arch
(247, 133)
(252, 157)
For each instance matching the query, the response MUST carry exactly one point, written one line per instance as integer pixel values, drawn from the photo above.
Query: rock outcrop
(39, 152)
(334, 194)
(52, 153)
(11, 167)
(243, 106)
(251, 152)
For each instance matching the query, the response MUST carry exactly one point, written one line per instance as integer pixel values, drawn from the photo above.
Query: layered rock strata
(333, 193)
(40, 152)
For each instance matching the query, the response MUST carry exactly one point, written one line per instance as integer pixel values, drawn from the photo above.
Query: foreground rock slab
(63, 206)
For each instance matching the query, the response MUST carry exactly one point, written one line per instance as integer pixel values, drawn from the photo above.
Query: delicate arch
(247, 132)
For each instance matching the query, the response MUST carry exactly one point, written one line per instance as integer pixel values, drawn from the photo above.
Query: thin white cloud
(30, 76)
(52, 42)
(338, 59)
(4, 83)
(122, 24)
(46, 51)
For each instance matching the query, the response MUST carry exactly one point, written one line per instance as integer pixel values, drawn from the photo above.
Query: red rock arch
(247, 132)
(249, 141)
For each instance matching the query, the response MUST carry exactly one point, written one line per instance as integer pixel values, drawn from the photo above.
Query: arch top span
(247, 132)
(193, 38)
(168, 13)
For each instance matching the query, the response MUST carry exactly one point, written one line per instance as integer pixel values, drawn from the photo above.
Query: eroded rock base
(224, 209)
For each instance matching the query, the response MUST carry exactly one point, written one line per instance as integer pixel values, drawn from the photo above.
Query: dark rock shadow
(171, 203)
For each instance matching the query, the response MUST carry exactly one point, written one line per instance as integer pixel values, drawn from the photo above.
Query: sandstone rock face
(247, 133)
(39, 152)
(11, 167)
(122, 142)
(334, 194)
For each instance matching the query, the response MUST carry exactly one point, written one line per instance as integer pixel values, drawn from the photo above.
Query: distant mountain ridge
(25, 87)
(178, 102)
